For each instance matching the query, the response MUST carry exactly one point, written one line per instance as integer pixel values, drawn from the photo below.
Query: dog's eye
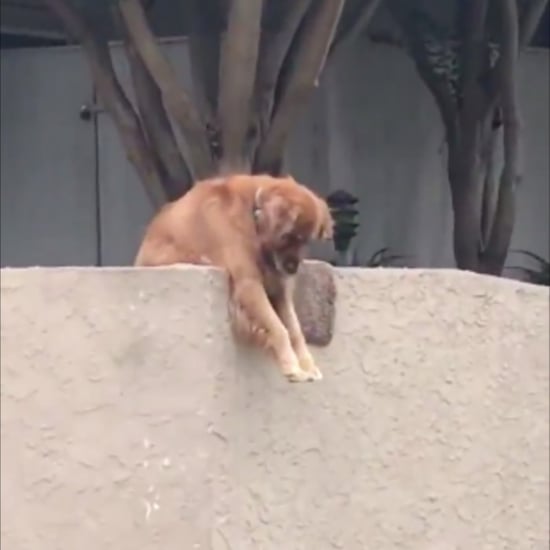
(289, 239)
(293, 239)
(286, 238)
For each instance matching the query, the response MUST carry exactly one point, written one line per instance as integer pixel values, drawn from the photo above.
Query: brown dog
(256, 228)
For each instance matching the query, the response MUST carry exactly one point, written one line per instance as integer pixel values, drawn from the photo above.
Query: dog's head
(288, 216)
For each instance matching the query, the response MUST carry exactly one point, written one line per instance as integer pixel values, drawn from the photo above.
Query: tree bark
(483, 206)
(175, 99)
(274, 49)
(204, 54)
(471, 177)
(440, 90)
(161, 138)
(501, 233)
(490, 183)
(302, 79)
(498, 216)
(115, 100)
(465, 178)
(239, 56)
(465, 130)
(475, 101)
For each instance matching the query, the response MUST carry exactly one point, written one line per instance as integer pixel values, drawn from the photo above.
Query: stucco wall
(130, 420)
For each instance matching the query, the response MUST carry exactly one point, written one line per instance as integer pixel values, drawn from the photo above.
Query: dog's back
(192, 229)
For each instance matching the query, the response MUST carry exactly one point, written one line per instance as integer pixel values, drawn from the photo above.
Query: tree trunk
(248, 92)
(465, 176)
(238, 62)
(483, 207)
(155, 122)
(494, 255)
(483, 204)
(312, 46)
(501, 233)
(175, 98)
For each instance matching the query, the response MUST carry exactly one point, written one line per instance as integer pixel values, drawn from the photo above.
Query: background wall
(130, 419)
(69, 196)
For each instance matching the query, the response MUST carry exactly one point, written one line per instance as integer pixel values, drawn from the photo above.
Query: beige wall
(130, 420)
(371, 127)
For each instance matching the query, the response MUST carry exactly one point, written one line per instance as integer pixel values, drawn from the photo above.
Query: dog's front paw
(299, 375)
(316, 373)
(307, 364)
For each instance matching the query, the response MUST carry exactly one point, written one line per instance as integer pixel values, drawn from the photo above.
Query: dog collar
(256, 209)
(269, 260)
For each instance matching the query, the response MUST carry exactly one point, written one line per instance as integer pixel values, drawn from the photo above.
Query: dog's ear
(276, 215)
(325, 227)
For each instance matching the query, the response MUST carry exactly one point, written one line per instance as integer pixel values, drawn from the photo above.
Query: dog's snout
(291, 265)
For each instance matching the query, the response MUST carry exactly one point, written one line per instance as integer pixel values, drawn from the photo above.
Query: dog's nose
(291, 266)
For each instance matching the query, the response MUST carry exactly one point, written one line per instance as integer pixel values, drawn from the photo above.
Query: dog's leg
(284, 305)
(252, 313)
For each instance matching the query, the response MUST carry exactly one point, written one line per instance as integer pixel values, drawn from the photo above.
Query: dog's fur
(256, 228)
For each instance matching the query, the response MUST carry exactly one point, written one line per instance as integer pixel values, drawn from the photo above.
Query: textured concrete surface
(130, 420)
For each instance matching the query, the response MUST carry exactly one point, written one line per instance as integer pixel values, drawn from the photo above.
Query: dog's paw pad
(310, 375)
(299, 375)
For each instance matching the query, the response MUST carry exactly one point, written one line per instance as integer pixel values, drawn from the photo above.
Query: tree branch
(239, 55)
(474, 36)
(174, 97)
(155, 121)
(508, 78)
(112, 94)
(503, 223)
(490, 183)
(274, 48)
(438, 87)
(207, 26)
(303, 78)
(204, 54)
(530, 21)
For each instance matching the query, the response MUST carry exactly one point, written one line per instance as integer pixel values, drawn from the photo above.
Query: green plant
(539, 274)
